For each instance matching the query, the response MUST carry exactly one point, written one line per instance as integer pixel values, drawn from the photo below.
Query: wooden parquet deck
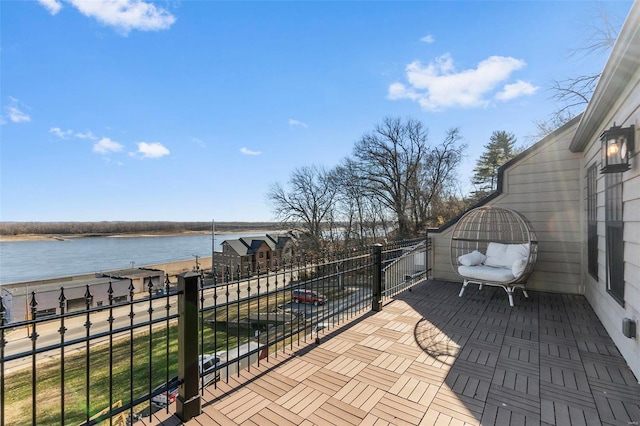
(432, 358)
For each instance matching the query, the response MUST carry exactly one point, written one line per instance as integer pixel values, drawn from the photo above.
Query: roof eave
(623, 62)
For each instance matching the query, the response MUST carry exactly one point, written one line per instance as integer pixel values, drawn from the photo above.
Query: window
(261, 254)
(592, 220)
(614, 234)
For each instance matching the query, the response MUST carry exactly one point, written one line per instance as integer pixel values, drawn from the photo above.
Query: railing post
(426, 254)
(188, 400)
(376, 251)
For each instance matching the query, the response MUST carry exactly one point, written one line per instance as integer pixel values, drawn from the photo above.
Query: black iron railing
(125, 360)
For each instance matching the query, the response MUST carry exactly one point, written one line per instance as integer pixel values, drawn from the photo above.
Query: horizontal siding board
(533, 198)
(550, 166)
(555, 185)
(562, 175)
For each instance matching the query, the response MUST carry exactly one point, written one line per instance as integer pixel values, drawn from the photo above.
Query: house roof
(249, 245)
(623, 63)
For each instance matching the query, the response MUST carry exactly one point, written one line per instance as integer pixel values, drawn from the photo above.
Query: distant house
(256, 253)
(587, 222)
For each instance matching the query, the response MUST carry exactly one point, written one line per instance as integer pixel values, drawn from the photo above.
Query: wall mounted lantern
(617, 148)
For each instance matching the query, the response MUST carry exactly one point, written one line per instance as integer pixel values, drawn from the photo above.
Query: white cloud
(59, 132)
(17, 116)
(123, 15)
(152, 150)
(428, 39)
(106, 145)
(246, 151)
(53, 6)
(86, 135)
(294, 123)
(437, 85)
(515, 90)
(14, 113)
(199, 142)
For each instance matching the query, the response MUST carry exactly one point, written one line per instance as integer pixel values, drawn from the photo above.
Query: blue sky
(191, 110)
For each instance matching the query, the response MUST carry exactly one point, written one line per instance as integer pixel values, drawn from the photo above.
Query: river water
(38, 260)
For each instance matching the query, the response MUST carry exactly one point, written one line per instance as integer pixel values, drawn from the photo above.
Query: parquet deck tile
(362, 353)
(427, 373)
(351, 336)
(488, 334)
(629, 393)
(319, 356)
(547, 361)
(469, 386)
(347, 366)
(483, 372)
(457, 406)
(571, 397)
(557, 374)
(400, 327)
(272, 385)
(524, 367)
(391, 362)
(335, 412)
(360, 395)
(376, 342)
(337, 346)
(405, 351)
(398, 411)
(298, 369)
(327, 381)
(516, 380)
(514, 401)
(386, 333)
(378, 377)
(433, 358)
(597, 345)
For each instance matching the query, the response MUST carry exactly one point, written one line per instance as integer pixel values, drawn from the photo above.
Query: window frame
(614, 236)
(592, 220)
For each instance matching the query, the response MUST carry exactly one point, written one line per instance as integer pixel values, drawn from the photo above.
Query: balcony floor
(430, 357)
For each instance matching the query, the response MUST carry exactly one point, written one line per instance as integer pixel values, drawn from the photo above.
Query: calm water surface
(37, 260)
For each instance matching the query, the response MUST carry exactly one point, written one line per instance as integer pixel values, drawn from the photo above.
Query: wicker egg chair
(494, 246)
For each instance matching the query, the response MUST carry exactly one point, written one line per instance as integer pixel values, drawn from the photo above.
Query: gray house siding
(625, 112)
(544, 185)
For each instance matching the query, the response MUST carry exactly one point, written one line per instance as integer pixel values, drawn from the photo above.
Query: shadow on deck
(430, 357)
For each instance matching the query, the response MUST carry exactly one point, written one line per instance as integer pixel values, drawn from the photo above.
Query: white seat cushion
(486, 273)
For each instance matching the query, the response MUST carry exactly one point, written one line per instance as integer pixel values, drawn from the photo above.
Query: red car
(308, 296)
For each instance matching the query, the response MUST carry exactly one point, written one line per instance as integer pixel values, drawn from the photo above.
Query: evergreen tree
(499, 150)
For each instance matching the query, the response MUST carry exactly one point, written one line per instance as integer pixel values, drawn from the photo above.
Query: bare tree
(308, 201)
(575, 91)
(388, 161)
(436, 179)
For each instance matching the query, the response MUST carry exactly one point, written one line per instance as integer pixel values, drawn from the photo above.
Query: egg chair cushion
(504, 255)
(486, 273)
(519, 266)
(472, 259)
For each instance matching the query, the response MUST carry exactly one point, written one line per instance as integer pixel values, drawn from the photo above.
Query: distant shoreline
(48, 237)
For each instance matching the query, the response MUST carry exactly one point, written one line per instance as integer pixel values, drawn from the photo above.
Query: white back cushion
(504, 255)
(496, 255)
